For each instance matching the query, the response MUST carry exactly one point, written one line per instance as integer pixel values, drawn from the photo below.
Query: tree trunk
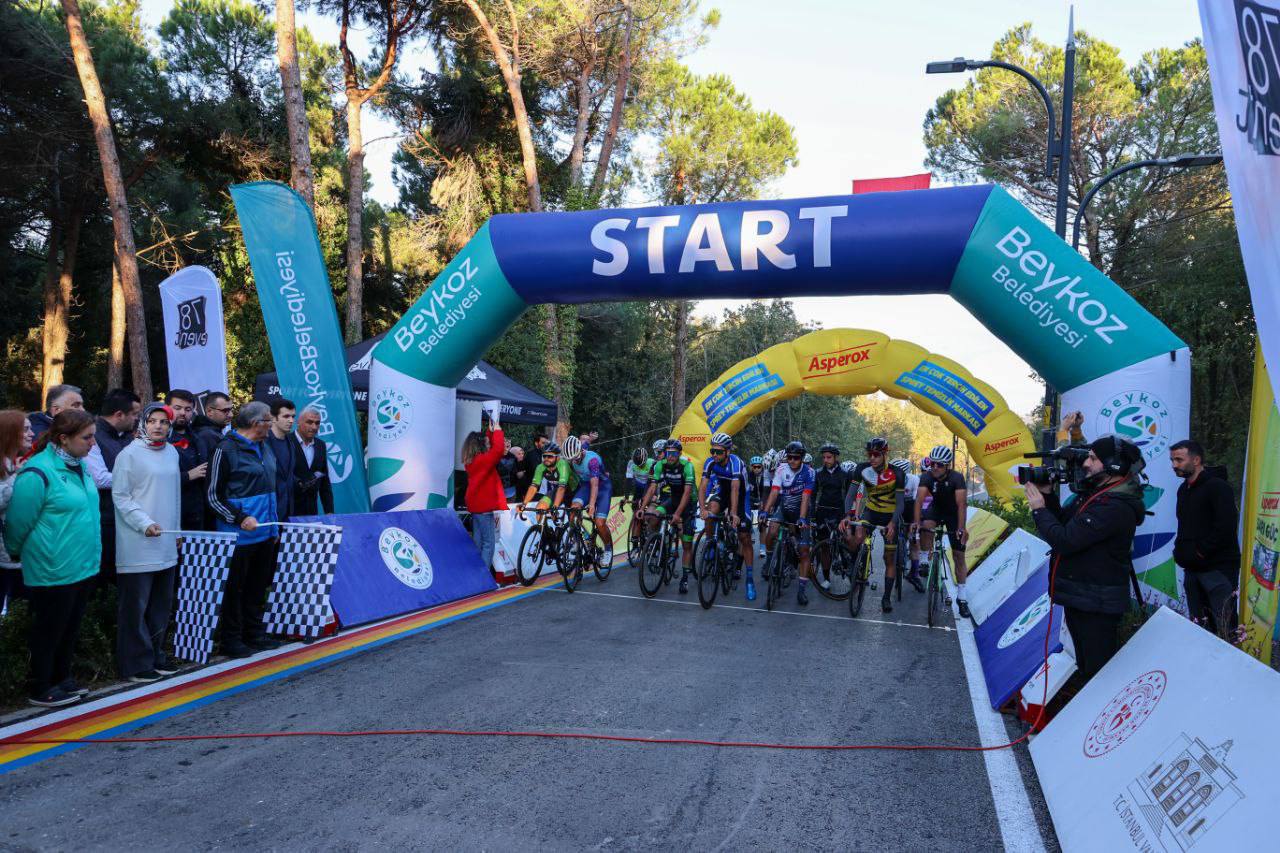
(125, 250)
(615, 113)
(578, 148)
(355, 220)
(115, 350)
(679, 359)
(295, 107)
(55, 317)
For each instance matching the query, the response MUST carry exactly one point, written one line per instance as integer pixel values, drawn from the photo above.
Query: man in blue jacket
(242, 495)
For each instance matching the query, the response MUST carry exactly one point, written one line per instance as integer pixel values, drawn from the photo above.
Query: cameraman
(1091, 538)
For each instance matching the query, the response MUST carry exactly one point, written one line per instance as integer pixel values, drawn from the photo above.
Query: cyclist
(947, 509)
(551, 479)
(595, 489)
(830, 483)
(673, 476)
(880, 504)
(639, 473)
(756, 480)
(791, 492)
(906, 539)
(724, 487)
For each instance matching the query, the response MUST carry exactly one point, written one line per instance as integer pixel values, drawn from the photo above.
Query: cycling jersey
(755, 489)
(792, 486)
(674, 476)
(590, 466)
(718, 474)
(909, 491)
(880, 488)
(548, 480)
(640, 473)
(943, 491)
(829, 487)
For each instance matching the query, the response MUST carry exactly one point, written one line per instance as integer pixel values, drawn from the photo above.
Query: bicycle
(935, 586)
(862, 568)
(635, 535)
(579, 548)
(717, 559)
(660, 551)
(540, 543)
(782, 566)
(833, 560)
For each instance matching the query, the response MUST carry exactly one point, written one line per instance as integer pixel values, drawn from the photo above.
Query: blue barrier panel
(396, 562)
(1011, 640)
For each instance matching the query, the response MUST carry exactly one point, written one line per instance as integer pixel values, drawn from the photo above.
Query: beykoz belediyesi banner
(302, 325)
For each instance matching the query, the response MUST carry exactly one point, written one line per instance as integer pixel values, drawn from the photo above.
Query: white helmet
(848, 465)
(659, 446)
(572, 448)
(903, 465)
(941, 453)
(722, 439)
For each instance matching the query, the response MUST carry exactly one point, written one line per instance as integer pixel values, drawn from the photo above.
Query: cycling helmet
(942, 454)
(639, 455)
(674, 444)
(903, 465)
(721, 439)
(808, 459)
(848, 465)
(552, 448)
(659, 446)
(573, 448)
(877, 444)
(794, 448)
(756, 460)
(829, 448)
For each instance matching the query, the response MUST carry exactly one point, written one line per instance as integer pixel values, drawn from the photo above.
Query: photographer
(1091, 538)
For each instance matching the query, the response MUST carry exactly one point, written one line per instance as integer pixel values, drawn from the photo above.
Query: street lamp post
(1181, 161)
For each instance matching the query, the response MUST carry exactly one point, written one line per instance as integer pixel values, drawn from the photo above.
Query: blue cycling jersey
(792, 485)
(590, 465)
(727, 471)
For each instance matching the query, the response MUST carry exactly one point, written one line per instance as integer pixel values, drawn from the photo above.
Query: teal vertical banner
(302, 325)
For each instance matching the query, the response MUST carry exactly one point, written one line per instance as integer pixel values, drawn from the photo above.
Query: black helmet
(829, 448)
(1118, 455)
(794, 448)
(639, 455)
(877, 444)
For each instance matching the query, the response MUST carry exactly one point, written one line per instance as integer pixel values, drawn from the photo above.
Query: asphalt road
(602, 662)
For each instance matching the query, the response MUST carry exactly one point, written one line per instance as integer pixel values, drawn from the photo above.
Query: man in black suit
(312, 488)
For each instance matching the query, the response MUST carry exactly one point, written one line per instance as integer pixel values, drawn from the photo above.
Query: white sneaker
(822, 582)
(764, 553)
(608, 558)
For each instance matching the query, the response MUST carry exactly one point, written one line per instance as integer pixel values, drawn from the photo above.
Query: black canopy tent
(485, 382)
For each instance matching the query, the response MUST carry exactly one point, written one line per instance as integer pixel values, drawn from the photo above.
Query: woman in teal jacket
(52, 526)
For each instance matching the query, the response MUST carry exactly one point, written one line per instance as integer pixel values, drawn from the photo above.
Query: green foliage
(1017, 512)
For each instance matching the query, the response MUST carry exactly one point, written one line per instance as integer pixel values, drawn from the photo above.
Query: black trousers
(56, 612)
(1096, 637)
(252, 569)
(1210, 601)
(145, 601)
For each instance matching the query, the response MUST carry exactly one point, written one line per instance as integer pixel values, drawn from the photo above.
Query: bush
(95, 658)
(1017, 512)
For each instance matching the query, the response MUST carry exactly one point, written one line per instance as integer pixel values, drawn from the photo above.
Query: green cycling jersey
(547, 480)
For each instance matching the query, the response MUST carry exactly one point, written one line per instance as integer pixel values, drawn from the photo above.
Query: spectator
(117, 423)
(15, 443)
(507, 472)
(58, 398)
(242, 491)
(284, 448)
(480, 455)
(214, 423)
(193, 465)
(1091, 539)
(146, 491)
(52, 526)
(522, 476)
(1206, 545)
(312, 489)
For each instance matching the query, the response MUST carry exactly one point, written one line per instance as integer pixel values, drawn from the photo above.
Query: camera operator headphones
(1119, 456)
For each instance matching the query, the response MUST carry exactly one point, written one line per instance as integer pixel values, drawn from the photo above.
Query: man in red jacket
(481, 454)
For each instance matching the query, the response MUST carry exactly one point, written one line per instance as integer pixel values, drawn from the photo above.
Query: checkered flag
(299, 599)
(205, 560)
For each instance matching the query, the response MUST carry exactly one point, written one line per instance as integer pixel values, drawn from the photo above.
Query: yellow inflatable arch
(847, 362)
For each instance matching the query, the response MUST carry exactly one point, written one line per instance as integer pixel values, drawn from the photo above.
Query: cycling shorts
(637, 496)
(604, 494)
(687, 524)
(950, 521)
(781, 515)
(879, 519)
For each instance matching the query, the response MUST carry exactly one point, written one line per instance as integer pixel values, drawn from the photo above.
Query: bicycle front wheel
(833, 563)
(710, 563)
(934, 590)
(573, 553)
(773, 576)
(861, 578)
(651, 565)
(531, 556)
(635, 542)
(598, 564)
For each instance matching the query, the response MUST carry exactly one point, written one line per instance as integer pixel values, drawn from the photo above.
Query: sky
(848, 75)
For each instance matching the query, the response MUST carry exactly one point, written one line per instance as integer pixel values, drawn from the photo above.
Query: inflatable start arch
(848, 362)
(1074, 326)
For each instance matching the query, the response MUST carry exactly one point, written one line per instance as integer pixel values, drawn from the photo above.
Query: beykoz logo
(405, 557)
(1126, 711)
(1259, 29)
(1138, 416)
(340, 462)
(391, 414)
(192, 328)
(1031, 617)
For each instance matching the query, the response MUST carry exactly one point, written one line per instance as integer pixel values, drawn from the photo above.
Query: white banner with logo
(1149, 404)
(1003, 571)
(1165, 748)
(409, 468)
(1242, 41)
(194, 339)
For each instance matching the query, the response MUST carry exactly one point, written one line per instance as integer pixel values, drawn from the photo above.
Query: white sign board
(1168, 748)
(1002, 572)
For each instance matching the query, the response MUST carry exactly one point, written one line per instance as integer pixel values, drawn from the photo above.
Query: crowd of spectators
(90, 503)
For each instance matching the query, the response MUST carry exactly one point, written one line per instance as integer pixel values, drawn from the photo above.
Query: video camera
(1065, 466)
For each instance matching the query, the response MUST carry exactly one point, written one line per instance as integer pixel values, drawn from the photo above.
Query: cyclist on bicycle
(947, 509)
(673, 474)
(639, 473)
(595, 489)
(880, 505)
(551, 479)
(757, 480)
(830, 483)
(907, 541)
(724, 487)
(791, 492)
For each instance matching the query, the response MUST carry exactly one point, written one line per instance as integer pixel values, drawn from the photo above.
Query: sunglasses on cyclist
(799, 456)
(718, 451)
(936, 465)
(548, 456)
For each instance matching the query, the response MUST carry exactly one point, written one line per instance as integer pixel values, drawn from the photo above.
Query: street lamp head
(948, 66)
(1186, 161)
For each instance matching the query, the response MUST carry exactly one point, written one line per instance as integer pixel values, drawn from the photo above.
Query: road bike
(782, 566)
(581, 549)
(717, 559)
(540, 543)
(935, 587)
(660, 553)
(832, 562)
(862, 567)
(635, 534)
